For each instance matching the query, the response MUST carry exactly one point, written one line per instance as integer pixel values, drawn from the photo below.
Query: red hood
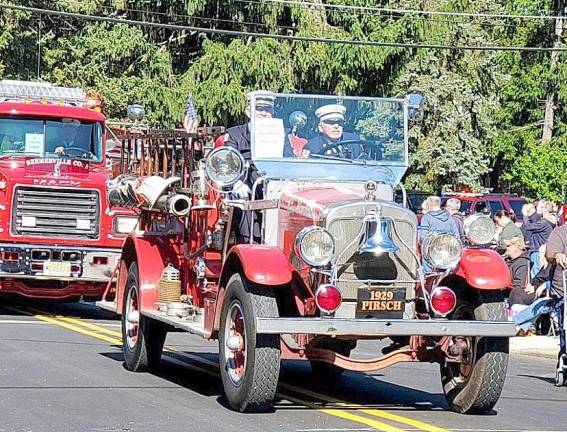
(44, 171)
(312, 202)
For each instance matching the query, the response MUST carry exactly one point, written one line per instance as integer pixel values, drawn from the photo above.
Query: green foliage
(484, 110)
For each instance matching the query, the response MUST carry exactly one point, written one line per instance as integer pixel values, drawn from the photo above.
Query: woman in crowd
(508, 229)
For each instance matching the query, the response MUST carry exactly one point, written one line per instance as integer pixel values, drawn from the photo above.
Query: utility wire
(309, 4)
(382, 12)
(191, 17)
(277, 36)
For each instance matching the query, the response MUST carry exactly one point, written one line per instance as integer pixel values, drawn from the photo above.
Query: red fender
(152, 254)
(264, 265)
(484, 269)
(261, 264)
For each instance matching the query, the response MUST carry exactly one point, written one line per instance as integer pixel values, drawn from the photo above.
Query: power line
(379, 12)
(238, 33)
(407, 11)
(191, 17)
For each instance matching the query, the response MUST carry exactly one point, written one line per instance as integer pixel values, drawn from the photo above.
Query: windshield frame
(96, 137)
(252, 105)
(268, 165)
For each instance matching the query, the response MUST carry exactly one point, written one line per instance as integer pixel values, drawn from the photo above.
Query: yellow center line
(371, 411)
(101, 333)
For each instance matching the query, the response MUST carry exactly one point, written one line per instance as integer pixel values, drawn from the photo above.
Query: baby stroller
(561, 310)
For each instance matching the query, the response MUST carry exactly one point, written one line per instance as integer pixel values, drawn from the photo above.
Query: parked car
(476, 202)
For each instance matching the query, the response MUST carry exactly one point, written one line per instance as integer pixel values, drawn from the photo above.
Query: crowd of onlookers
(535, 250)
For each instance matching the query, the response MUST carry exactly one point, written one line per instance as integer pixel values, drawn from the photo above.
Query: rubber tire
(481, 391)
(325, 372)
(146, 354)
(257, 389)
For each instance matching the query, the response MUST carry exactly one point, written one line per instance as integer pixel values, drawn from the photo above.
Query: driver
(67, 136)
(331, 132)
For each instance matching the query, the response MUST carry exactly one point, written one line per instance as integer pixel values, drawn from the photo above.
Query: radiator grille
(354, 269)
(53, 212)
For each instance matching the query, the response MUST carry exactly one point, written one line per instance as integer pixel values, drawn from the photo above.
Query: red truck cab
(58, 238)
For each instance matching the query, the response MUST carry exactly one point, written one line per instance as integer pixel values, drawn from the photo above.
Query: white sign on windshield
(269, 138)
(34, 143)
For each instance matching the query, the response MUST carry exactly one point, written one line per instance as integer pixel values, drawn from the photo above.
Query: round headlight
(315, 246)
(479, 229)
(224, 166)
(443, 251)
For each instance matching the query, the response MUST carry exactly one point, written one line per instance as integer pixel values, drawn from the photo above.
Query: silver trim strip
(379, 327)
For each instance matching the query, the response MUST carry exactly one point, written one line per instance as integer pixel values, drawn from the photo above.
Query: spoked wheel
(142, 338)
(475, 384)
(250, 362)
(561, 371)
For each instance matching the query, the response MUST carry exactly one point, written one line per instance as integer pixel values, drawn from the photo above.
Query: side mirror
(415, 102)
(136, 112)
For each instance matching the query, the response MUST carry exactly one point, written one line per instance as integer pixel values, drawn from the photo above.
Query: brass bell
(377, 239)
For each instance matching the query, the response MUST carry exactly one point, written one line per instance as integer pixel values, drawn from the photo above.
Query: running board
(107, 305)
(196, 327)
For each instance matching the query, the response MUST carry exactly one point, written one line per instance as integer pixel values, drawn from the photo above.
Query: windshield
(325, 136)
(65, 138)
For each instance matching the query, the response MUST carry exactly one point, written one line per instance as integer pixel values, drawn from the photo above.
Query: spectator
(435, 220)
(453, 207)
(519, 264)
(509, 229)
(191, 120)
(556, 254)
(537, 230)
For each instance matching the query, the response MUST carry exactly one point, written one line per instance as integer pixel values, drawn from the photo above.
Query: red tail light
(328, 298)
(10, 256)
(443, 300)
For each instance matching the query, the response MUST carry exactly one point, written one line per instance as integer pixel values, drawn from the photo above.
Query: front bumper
(61, 263)
(381, 327)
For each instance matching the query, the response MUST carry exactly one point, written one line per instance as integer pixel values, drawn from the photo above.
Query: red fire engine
(58, 238)
(299, 251)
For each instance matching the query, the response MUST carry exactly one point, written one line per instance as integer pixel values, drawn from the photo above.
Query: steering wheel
(352, 142)
(78, 152)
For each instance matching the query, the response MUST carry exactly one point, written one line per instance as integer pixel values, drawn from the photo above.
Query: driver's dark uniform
(321, 143)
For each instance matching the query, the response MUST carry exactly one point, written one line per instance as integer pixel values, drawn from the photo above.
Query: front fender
(261, 264)
(151, 254)
(484, 269)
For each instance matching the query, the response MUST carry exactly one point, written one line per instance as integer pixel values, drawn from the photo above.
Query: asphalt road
(61, 370)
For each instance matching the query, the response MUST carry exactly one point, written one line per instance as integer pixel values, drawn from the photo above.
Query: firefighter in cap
(331, 132)
(239, 136)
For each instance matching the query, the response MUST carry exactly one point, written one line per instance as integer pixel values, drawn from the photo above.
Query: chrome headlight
(479, 229)
(443, 251)
(125, 224)
(224, 166)
(315, 246)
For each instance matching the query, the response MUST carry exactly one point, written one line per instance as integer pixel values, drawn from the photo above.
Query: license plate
(380, 302)
(55, 268)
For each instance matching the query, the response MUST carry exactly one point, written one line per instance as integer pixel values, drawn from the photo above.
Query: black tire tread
(261, 389)
(484, 387)
(146, 355)
(267, 370)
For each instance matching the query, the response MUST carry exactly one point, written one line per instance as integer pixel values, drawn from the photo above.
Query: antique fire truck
(298, 251)
(58, 238)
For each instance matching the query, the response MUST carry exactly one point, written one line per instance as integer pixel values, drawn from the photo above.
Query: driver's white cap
(333, 111)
